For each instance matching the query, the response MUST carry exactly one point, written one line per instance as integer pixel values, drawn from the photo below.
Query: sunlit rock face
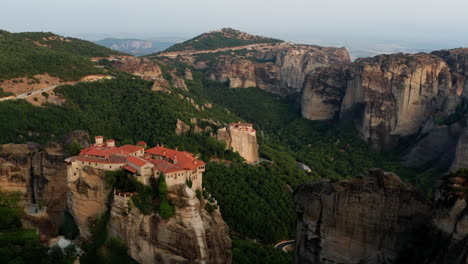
(192, 235)
(280, 68)
(387, 96)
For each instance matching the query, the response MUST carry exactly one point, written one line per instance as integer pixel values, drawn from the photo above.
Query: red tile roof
(184, 159)
(165, 166)
(130, 168)
(141, 143)
(130, 148)
(137, 161)
(84, 151)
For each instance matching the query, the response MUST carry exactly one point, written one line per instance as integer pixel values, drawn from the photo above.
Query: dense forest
(28, 54)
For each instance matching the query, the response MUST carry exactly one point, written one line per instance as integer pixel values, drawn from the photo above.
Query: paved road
(283, 244)
(24, 95)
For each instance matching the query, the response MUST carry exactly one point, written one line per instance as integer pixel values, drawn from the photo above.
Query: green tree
(73, 148)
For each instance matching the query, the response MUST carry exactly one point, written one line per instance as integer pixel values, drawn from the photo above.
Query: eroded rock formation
(457, 59)
(40, 174)
(371, 218)
(387, 96)
(87, 199)
(144, 68)
(279, 68)
(323, 93)
(436, 149)
(241, 138)
(461, 152)
(451, 219)
(192, 235)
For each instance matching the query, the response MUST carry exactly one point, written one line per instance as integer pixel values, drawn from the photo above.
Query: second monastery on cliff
(177, 166)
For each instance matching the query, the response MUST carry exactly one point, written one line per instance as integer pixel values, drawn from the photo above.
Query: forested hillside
(226, 37)
(28, 54)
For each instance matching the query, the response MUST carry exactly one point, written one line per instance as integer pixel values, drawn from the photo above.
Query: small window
(110, 167)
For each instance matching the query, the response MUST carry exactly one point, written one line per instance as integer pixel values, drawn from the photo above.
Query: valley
(250, 108)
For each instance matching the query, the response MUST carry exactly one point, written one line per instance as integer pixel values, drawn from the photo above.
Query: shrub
(166, 209)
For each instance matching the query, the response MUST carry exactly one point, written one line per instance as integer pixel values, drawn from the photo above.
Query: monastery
(142, 163)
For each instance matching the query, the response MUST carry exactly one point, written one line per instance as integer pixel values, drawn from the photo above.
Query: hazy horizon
(418, 24)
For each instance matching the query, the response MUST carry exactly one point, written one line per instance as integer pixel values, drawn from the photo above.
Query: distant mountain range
(137, 47)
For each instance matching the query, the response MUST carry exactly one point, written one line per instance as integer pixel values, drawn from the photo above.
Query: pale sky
(340, 21)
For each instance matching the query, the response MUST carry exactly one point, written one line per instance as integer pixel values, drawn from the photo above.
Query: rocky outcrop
(192, 235)
(181, 127)
(323, 92)
(387, 96)
(87, 199)
(371, 218)
(80, 136)
(450, 217)
(396, 95)
(178, 82)
(457, 59)
(144, 68)
(436, 149)
(39, 173)
(277, 68)
(461, 152)
(241, 138)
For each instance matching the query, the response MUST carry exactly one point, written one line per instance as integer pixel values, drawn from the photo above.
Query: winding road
(283, 244)
(24, 95)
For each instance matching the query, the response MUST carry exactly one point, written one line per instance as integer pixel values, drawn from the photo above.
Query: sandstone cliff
(280, 69)
(144, 68)
(457, 59)
(190, 236)
(451, 219)
(387, 96)
(323, 92)
(87, 199)
(371, 218)
(39, 173)
(242, 139)
(461, 152)
(436, 149)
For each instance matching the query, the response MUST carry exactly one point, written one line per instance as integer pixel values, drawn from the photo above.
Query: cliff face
(457, 59)
(370, 218)
(242, 141)
(323, 93)
(461, 152)
(437, 148)
(39, 174)
(277, 68)
(451, 219)
(190, 236)
(87, 199)
(387, 96)
(144, 68)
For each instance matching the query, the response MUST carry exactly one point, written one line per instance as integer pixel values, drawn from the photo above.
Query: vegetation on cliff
(246, 252)
(19, 245)
(226, 37)
(28, 54)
